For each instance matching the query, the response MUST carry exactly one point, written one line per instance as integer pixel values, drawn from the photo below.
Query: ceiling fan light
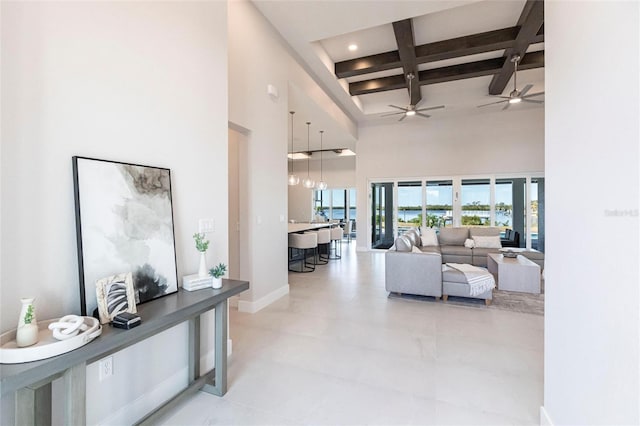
(308, 183)
(515, 100)
(321, 185)
(293, 180)
(410, 113)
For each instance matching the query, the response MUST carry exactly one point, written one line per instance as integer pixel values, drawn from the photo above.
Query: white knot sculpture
(67, 327)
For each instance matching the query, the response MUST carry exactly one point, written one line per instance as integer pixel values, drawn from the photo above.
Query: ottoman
(454, 283)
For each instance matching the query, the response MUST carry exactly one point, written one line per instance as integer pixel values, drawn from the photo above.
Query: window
(323, 203)
(439, 203)
(504, 203)
(476, 202)
(537, 213)
(338, 204)
(352, 204)
(409, 206)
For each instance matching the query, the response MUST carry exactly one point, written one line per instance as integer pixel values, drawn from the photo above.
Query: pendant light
(308, 182)
(322, 185)
(293, 179)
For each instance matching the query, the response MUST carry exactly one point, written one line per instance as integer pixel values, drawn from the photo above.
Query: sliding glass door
(382, 234)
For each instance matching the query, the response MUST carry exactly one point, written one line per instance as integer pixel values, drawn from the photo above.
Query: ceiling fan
(411, 110)
(517, 96)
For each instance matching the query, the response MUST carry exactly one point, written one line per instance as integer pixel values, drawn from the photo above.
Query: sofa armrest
(413, 273)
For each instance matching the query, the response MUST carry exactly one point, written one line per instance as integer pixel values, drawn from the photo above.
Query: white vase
(216, 282)
(27, 334)
(202, 271)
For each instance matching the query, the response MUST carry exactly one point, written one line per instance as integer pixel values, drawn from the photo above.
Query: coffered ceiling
(459, 51)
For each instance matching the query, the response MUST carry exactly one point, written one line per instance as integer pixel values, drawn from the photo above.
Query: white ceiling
(319, 31)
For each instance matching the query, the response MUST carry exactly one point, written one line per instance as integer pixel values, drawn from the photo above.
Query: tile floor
(336, 350)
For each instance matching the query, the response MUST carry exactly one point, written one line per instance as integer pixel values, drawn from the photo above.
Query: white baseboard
(148, 401)
(254, 306)
(545, 420)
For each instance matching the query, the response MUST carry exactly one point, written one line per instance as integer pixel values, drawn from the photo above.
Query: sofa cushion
(455, 250)
(431, 249)
(485, 231)
(453, 236)
(487, 241)
(413, 235)
(403, 243)
(428, 237)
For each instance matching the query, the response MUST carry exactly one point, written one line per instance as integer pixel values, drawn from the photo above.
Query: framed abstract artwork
(115, 295)
(124, 223)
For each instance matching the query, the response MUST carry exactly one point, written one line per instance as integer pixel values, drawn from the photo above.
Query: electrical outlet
(106, 368)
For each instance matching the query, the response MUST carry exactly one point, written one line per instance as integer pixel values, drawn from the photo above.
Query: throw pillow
(469, 243)
(487, 242)
(415, 249)
(428, 237)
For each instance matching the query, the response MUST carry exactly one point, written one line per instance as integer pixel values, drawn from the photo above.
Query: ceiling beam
(468, 45)
(530, 23)
(368, 64)
(438, 51)
(444, 74)
(403, 31)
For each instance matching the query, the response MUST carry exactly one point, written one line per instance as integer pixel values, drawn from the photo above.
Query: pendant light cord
(308, 149)
(321, 132)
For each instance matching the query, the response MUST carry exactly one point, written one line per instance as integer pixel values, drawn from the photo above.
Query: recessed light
(353, 47)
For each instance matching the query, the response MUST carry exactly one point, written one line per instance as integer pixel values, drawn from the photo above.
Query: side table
(515, 274)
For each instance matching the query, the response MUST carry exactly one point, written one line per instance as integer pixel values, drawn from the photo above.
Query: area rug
(503, 300)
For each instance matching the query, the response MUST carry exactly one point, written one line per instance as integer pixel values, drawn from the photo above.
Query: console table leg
(194, 349)
(220, 387)
(75, 385)
(33, 405)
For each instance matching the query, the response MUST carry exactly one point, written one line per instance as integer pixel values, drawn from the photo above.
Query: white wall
(592, 169)
(510, 141)
(129, 81)
(259, 57)
(337, 172)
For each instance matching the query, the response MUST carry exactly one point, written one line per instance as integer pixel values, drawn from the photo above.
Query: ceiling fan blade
(532, 101)
(506, 106)
(525, 89)
(430, 108)
(403, 117)
(392, 113)
(531, 95)
(493, 103)
(402, 108)
(423, 115)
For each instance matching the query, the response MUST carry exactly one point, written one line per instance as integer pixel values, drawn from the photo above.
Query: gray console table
(31, 381)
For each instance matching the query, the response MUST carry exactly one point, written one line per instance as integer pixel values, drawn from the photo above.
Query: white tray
(47, 345)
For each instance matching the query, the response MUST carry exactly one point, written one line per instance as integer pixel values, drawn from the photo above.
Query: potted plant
(217, 274)
(201, 245)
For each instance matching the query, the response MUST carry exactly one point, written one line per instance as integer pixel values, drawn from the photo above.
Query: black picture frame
(124, 223)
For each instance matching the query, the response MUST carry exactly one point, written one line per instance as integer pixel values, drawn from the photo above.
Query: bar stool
(324, 240)
(304, 243)
(336, 238)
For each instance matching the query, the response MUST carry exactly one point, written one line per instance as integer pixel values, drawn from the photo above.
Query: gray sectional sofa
(412, 268)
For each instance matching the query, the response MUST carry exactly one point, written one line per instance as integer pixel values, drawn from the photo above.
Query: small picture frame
(115, 295)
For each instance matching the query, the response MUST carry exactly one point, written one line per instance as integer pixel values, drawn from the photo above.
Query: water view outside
(476, 211)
